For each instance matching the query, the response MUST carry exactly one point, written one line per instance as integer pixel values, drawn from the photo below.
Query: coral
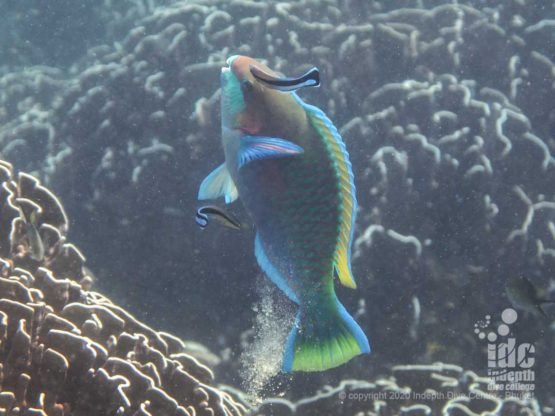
(145, 103)
(33, 35)
(27, 132)
(450, 153)
(446, 109)
(455, 195)
(67, 350)
(411, 390)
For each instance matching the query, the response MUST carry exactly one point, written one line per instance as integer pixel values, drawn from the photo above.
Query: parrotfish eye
(246, 85)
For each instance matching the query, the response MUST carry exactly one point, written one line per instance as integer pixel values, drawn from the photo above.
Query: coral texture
(66, 350)
(447, 111)
(141, 115)
(411, 390)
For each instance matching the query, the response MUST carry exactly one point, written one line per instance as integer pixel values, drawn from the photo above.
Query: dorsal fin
(336, 147)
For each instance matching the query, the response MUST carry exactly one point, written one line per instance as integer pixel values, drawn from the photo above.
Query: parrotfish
(220, 215)
(287, 162)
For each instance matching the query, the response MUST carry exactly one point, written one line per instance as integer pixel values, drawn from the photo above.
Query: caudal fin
(317, 343)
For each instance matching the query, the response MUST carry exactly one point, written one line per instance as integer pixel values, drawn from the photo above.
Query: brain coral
(65, 350)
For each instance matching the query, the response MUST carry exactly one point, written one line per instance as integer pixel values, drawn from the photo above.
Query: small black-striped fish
(211, 211)
(36, 247)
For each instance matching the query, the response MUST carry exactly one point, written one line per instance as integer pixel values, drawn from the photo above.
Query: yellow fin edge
(343, 169)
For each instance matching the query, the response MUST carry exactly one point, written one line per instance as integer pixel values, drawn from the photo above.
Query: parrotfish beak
(227, 68)
(229, 64)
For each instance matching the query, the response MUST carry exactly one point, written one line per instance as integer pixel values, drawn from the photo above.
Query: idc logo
(508, 355)
(510, 364)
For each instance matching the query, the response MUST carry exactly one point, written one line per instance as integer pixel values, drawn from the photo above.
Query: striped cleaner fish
(289, 165)
(220, 215)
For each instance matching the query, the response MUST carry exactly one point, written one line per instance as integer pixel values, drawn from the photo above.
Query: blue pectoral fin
(323, 342)
(218, 184)
(258, 147)
(273, 273)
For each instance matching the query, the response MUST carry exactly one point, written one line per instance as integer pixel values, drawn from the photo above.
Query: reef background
(447, 110)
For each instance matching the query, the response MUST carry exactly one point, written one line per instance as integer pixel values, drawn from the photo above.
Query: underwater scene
(310, 207)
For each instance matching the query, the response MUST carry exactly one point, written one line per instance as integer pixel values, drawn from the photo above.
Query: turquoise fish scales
(287, 162)
(293, 203)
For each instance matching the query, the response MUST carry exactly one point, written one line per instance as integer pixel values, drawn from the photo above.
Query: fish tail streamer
(323, 339)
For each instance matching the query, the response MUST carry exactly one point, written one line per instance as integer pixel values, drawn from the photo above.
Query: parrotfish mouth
(311, 78)
(227, 66)
(229, 62)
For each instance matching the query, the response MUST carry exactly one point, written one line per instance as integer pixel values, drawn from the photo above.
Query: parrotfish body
(289, 165)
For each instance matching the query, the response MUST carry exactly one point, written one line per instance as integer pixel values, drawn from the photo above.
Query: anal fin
(271, 270)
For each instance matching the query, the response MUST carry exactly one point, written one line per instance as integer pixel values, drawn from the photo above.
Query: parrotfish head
(257, 100)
